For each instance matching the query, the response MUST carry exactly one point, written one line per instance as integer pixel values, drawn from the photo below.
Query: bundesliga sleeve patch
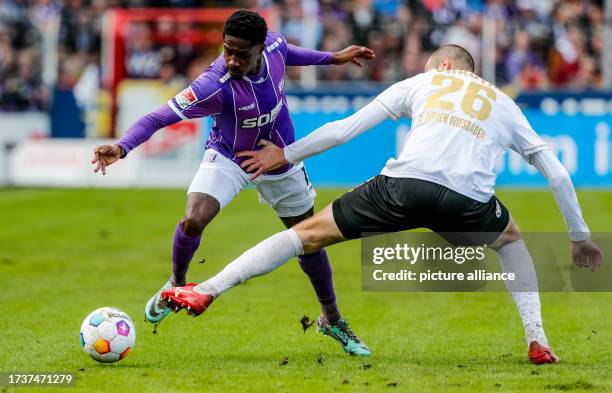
(185, 98)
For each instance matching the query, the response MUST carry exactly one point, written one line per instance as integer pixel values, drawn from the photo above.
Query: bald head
(450, 57)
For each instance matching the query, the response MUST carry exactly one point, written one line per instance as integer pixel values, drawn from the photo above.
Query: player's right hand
(586, 253)
(268, 158)
(104, 156)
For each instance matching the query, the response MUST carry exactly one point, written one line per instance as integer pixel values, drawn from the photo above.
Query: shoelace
(343, 326)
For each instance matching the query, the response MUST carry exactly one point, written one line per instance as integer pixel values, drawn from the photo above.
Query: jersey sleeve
(296, 55)
(146, 126)
(523, 139)
(397, 100)
(561, 184)
(203, 97)
(336, 133)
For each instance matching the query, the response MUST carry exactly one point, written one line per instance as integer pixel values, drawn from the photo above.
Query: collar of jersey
(263, 75)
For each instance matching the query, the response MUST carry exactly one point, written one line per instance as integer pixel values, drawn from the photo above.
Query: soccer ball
(108, 334)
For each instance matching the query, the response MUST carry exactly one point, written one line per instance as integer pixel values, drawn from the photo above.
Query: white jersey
(461, 124)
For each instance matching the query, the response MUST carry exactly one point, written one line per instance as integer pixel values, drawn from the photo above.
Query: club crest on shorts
(185, 98)
(210, 157)
(497, 210)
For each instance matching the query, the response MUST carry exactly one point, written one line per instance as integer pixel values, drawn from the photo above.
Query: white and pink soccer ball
(108, 334)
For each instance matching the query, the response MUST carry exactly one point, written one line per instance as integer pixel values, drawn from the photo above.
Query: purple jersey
(243, 110)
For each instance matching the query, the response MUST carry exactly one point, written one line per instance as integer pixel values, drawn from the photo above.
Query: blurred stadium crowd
(541, 44)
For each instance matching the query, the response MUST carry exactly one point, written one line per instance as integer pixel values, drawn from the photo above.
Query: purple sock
(318, 269)
(183, 248)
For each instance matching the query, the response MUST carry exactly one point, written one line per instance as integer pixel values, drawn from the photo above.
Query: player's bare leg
(524, 290)
(199, 212)
(319, 231)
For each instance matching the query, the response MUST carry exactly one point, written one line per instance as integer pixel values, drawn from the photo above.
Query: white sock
(515, 258)
(257, 261)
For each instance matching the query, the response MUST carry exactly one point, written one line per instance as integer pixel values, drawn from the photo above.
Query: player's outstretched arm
(138, 133)
(298, 56)
(585, 253)
(323, 138)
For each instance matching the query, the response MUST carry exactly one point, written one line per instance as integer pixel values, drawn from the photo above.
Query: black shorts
(390, 204)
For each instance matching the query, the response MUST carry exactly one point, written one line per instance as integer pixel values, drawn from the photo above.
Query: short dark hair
(456, 53)
(247, 25)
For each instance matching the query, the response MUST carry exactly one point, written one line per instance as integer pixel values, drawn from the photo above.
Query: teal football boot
(341, 332)
(156, 309)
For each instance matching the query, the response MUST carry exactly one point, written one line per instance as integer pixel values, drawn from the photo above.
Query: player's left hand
(586, 253)
(268, 158)
(352, 53)
(104, 156)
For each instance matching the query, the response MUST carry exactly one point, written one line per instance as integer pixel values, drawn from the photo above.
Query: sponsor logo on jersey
(247, 107)
(185, 98)
(262, 120)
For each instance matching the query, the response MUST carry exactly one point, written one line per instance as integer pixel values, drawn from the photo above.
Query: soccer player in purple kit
(243, 90)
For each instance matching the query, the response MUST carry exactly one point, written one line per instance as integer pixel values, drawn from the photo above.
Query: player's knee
(311, 241)
(201, 209)
(293, 221)
(308, 235)
(317, 232)
(511, 234)
(194, 224)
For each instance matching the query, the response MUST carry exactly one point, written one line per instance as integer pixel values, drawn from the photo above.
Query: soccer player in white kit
(442, 180)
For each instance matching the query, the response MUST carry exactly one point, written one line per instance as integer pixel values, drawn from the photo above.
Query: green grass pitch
(64, 253)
